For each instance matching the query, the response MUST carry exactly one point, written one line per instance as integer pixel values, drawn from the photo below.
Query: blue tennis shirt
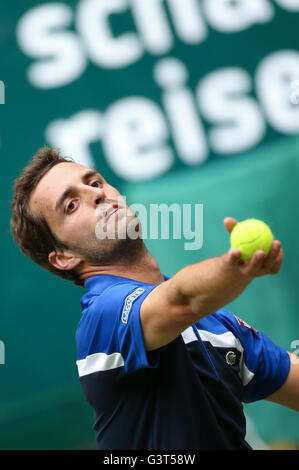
(185, 395)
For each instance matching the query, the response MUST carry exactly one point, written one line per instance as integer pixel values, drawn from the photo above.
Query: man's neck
(145, 269)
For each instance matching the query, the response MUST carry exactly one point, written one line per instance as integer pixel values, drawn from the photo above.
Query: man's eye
(71, 206)
(96, 184)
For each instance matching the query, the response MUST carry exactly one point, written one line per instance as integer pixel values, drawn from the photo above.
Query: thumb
(229, 223)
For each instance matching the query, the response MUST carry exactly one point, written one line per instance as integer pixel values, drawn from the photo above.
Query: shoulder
(235, 324)
(113, 297)
(110, 316)
(223, 320)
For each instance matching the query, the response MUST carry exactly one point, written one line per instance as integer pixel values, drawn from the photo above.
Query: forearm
(208, 285)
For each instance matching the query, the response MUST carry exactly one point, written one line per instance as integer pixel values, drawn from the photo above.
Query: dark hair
(31, 231)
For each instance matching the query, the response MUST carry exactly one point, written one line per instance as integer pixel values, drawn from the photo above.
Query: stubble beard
(116, 251)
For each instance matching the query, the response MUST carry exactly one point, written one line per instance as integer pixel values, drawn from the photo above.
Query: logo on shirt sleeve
(243, 323)
(129, 302)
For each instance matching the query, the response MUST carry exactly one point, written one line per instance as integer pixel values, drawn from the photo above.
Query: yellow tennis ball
(251, 235)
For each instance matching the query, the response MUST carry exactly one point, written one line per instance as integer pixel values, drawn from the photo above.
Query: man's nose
(94, 195)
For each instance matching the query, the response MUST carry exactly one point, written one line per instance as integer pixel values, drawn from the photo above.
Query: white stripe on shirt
(99, 362)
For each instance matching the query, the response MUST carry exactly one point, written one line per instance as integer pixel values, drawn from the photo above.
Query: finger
(255, 265)
(277, 265)
(271, 258)
(229, 223)
(234, 256)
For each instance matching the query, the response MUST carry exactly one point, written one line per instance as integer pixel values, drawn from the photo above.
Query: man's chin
(114, 251)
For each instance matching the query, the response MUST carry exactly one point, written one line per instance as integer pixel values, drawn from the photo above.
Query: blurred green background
(173, 102)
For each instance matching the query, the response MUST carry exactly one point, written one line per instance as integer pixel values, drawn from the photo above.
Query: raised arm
(199, 290)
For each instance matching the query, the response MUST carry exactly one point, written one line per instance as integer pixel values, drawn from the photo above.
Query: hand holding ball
(250, 236)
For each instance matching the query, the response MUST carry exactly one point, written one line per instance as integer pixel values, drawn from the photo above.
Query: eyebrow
(72, 189)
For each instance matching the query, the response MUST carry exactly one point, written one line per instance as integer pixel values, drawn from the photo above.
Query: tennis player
(161, 361)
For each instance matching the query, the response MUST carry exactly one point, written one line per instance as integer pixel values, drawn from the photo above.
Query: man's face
(77, 204)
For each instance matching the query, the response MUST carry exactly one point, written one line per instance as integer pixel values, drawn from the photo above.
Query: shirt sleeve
(265, 365)
(115, 326)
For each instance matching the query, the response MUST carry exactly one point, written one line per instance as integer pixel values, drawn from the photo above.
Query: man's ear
(63, 261)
